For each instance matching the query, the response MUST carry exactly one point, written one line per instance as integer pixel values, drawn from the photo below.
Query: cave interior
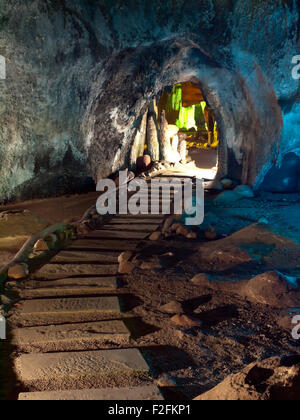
(199, 90)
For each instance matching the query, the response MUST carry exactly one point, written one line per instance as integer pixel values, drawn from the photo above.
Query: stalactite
(138, 146)
(152, 133)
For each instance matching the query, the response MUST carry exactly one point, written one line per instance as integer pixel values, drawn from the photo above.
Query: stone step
(94, 244)
(131, 227)
(140, 393)
(87, 257)
(134, 221)
(152, 217)
(65, 291)
(65, 310)
(70, 337)
(76, 282)
(111, 234)
(55, 371)
(60, 271)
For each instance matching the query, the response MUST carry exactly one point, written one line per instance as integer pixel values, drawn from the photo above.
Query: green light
(187, 117)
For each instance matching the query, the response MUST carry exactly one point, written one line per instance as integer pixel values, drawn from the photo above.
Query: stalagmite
(152, 133)
(182, 151)
(138, 146)
(165, 145)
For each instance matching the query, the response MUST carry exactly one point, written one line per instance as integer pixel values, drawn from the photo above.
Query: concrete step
(111, 234)
(85, 257)
(70, 337)
(141, 393)
(65, 310)
(60, 271)
(62, 371)
(94, 244)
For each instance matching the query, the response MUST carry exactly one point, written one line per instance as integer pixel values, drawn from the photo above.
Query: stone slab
(132, 221)
(83, 256)
(49, 367)
(142, 393)
(131, 227)
(94, 244)
(111, 234)
(60, 271)
(70, 336)
(70, 305)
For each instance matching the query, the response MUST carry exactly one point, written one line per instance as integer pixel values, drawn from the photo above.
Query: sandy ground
(235, 331)
(53, 210)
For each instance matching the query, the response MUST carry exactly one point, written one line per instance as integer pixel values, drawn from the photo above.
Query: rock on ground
(273, 289)
(273, 379)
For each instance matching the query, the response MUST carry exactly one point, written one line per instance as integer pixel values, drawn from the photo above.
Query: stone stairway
(69, 331)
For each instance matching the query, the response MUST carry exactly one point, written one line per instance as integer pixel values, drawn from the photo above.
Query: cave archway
(191, 121)
(245, 108)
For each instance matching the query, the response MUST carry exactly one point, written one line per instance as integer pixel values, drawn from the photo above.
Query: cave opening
(191, 124)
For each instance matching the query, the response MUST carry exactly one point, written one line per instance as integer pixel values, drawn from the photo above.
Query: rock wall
(81, 74)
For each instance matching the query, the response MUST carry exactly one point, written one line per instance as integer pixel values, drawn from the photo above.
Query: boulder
(126, 267)
(173, 307)
(192, 235)
(182, 230)
(200, 280)
(244, 191)
(186, 321)
(215, 185)
(274, 379)
(18, 271)
(125, 256)
(143, 163)
(41, 245)
(155, 236)
(167, 224)
(273, 289)
(227, 183)
(227, 196)
(6, 301)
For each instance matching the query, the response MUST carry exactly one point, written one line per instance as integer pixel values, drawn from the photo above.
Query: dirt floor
(235, 331)
(205, 159)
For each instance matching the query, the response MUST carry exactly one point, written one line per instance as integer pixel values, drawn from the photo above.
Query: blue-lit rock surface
(80, 75)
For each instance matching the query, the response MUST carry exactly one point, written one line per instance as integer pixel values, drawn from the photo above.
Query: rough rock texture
(274, 289)
(272, 380)
(80, 76)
